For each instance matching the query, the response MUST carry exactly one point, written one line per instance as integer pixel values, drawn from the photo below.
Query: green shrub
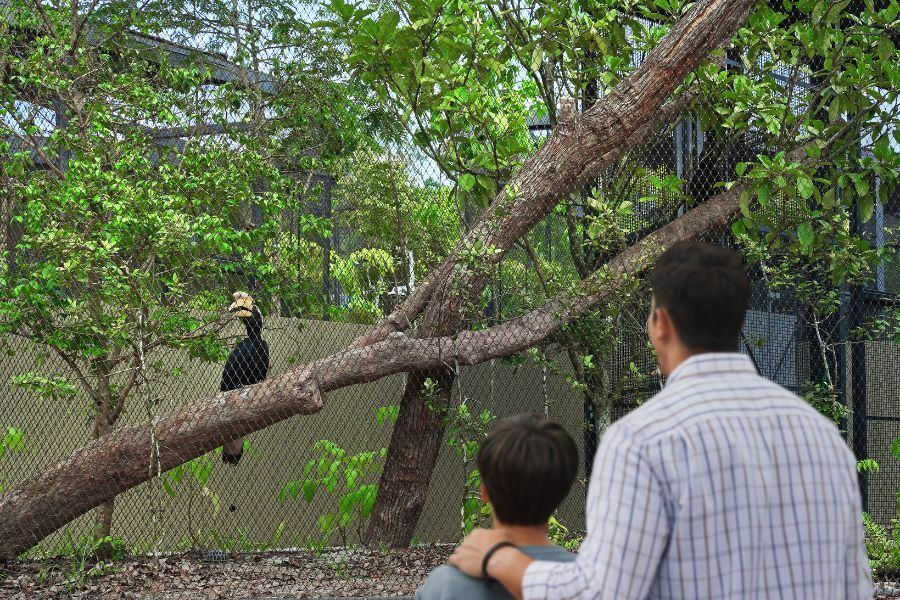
(559, 534)
(883, 547)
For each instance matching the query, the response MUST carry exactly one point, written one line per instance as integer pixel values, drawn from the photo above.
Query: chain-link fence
(276, 265)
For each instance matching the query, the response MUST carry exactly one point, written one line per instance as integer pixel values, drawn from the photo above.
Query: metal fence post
(856, 318)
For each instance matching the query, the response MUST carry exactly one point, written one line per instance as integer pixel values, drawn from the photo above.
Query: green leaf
(817, 11)
(763, 194)
(350, 476)
(836, 11)
(805, 187)
(368, 500)
(309, 490)
(286, 491)
(834, 110)
(885, 49)
(861, 182)
(345, 506)
(537, 58)
(14, 439)
(343, 9)
(176, 474)
(388, 22)
(467, 182)
(326, 523)
(895, 448)
(805, 235)
(867, 465)
(486, 183)
(168, 487)
(866, 208)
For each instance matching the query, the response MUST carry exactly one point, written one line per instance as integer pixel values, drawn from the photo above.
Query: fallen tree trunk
(579, 149)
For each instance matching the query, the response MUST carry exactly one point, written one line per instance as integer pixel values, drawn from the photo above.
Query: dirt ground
(347, 573)
(341, 573)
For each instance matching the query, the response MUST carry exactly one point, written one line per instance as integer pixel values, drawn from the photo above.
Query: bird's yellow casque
(242, 305)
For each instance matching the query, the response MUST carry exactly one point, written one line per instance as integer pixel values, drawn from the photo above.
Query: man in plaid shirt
(724, 485)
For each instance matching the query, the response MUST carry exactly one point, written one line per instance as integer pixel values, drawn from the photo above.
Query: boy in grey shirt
(527, 466)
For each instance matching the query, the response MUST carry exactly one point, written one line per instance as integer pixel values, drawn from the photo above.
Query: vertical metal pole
(679, 149)
(500, 291)
(843, 340)
(681, 157)
(880, 283)
(589, 418)
(860, 439)
(328, 291)
(61, 122)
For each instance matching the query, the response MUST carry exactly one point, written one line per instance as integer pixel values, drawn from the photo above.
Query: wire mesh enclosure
(229, 318)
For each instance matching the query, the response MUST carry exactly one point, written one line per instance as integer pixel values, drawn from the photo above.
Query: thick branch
(126, 389)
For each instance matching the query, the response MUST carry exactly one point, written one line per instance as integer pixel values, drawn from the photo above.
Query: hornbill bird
(247, 364)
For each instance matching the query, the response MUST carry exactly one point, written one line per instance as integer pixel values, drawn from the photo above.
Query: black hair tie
(489, 581)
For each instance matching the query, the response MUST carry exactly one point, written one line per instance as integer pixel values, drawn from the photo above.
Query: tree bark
(411, 455)
(102, 426)
(103, 550)
(579, 149)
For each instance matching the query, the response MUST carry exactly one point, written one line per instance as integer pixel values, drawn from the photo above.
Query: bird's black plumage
(247, 364)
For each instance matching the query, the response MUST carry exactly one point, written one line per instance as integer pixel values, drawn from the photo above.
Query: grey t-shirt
(446, 582)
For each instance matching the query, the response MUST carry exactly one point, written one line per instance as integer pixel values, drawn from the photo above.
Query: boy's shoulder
(448, 582)
(550, 553)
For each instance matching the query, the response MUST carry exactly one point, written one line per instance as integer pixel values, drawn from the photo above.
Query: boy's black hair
(705, 291)
(527, 465)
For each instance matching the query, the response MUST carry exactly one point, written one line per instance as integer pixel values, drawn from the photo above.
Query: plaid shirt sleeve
(628, 529)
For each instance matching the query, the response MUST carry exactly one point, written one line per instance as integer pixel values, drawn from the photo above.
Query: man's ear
(665, 329)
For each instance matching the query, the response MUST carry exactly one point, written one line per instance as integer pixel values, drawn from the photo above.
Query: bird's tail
(232, 451)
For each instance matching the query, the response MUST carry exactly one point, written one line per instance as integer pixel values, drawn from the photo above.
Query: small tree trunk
(603, 416)
(103, 418)
(103, 529)
(602, 399)
(104, 518)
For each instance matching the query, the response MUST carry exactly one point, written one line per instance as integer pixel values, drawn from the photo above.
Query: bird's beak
(242, 306)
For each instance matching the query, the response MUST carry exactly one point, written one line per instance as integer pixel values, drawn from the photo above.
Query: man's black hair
(527, 465)
(705, 290)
